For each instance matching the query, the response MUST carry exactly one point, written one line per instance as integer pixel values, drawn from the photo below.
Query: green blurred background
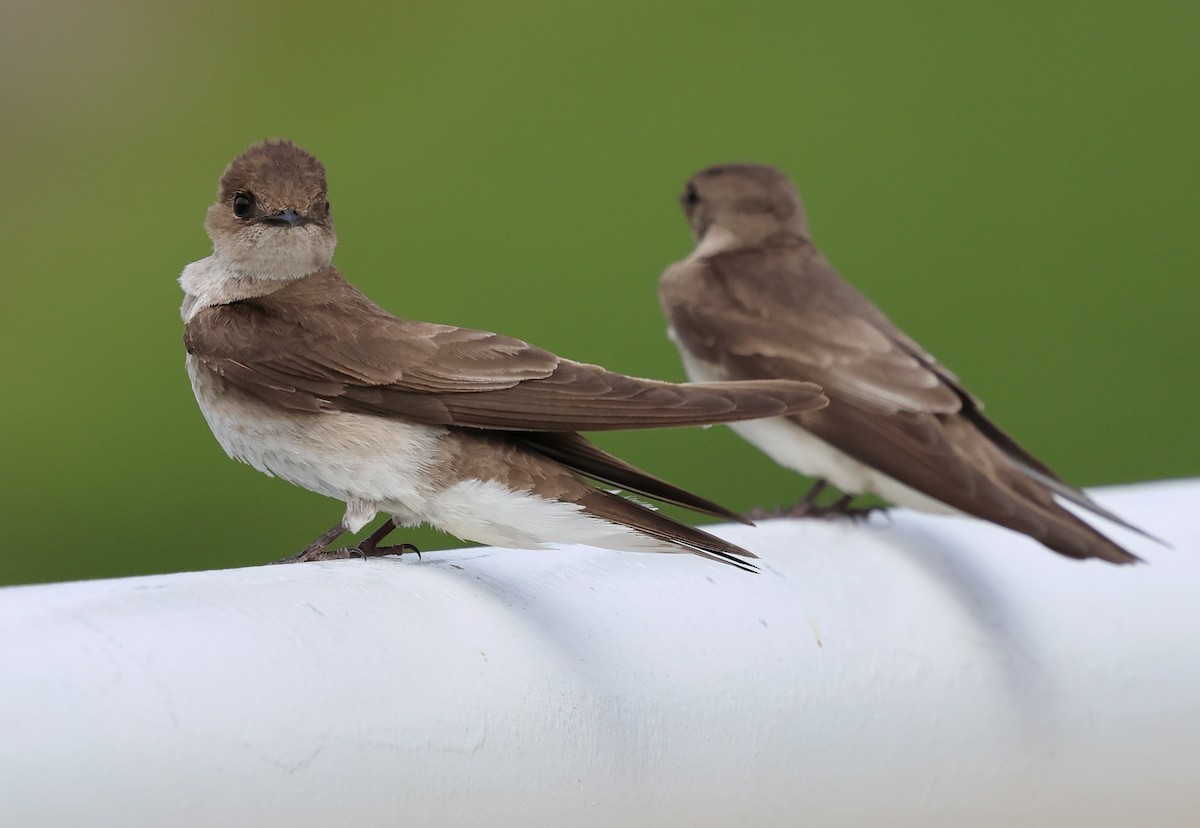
(1016, 184)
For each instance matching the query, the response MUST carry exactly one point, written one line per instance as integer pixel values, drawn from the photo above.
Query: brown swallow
(757, 300)
(303, 377)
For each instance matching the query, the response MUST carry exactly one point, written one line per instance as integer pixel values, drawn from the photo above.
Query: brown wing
(822, 329)
(320, 345)
(798, 320)
(657, 525)
(578, 454)
(892, 405)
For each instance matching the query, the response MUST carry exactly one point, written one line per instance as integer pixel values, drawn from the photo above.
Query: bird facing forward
(303, 377)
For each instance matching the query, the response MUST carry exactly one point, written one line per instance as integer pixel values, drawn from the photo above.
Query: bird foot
(318, 555)
(361, 551)
(857, 514)
(806, 508)
(369, 547)
(762, 513)
(379, 551)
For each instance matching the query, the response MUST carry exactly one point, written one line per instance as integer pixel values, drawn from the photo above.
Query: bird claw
(347, 552)
(398, 550)
(806, 508)
(319, 555)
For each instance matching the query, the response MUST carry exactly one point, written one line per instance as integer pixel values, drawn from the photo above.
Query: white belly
(380, 465)
(491, 513)
(793, 447)
(369, 463)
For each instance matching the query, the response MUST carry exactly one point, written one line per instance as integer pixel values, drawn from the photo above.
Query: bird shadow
(990, 611)
(986, 608)
(539, 610)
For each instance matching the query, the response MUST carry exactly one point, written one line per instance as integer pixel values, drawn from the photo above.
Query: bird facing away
(303, 377)
(756, 299)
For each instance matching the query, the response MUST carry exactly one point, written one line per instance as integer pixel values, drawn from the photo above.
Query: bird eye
(690, 197)
(326, 206)
(243, 203)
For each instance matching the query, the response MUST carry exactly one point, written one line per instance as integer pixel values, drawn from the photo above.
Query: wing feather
(320, 345)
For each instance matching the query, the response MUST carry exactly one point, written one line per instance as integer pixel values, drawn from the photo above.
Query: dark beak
(288, 217)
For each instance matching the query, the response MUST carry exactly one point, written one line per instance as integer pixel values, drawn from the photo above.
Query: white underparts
(378, 465)
(793, 447)
(489, 512)
(372, 464)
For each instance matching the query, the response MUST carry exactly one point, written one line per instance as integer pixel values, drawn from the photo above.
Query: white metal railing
(917, 670)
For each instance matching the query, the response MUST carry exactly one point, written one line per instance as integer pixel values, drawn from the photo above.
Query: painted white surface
(919, 670)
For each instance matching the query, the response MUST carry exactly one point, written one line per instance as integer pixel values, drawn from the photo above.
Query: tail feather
(1038, 471)
(577, 453)
(673, 533)
(1070, 536)
(1080, 499)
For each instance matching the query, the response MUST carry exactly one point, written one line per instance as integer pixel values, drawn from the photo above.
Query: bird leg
(317, 550)
(808, 507)
(808, 504)
(369, 547)
(842, 508)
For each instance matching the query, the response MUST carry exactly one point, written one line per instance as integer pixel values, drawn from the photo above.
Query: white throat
(274, 253)
(716, 240)
(254, 262)
(210, 282)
